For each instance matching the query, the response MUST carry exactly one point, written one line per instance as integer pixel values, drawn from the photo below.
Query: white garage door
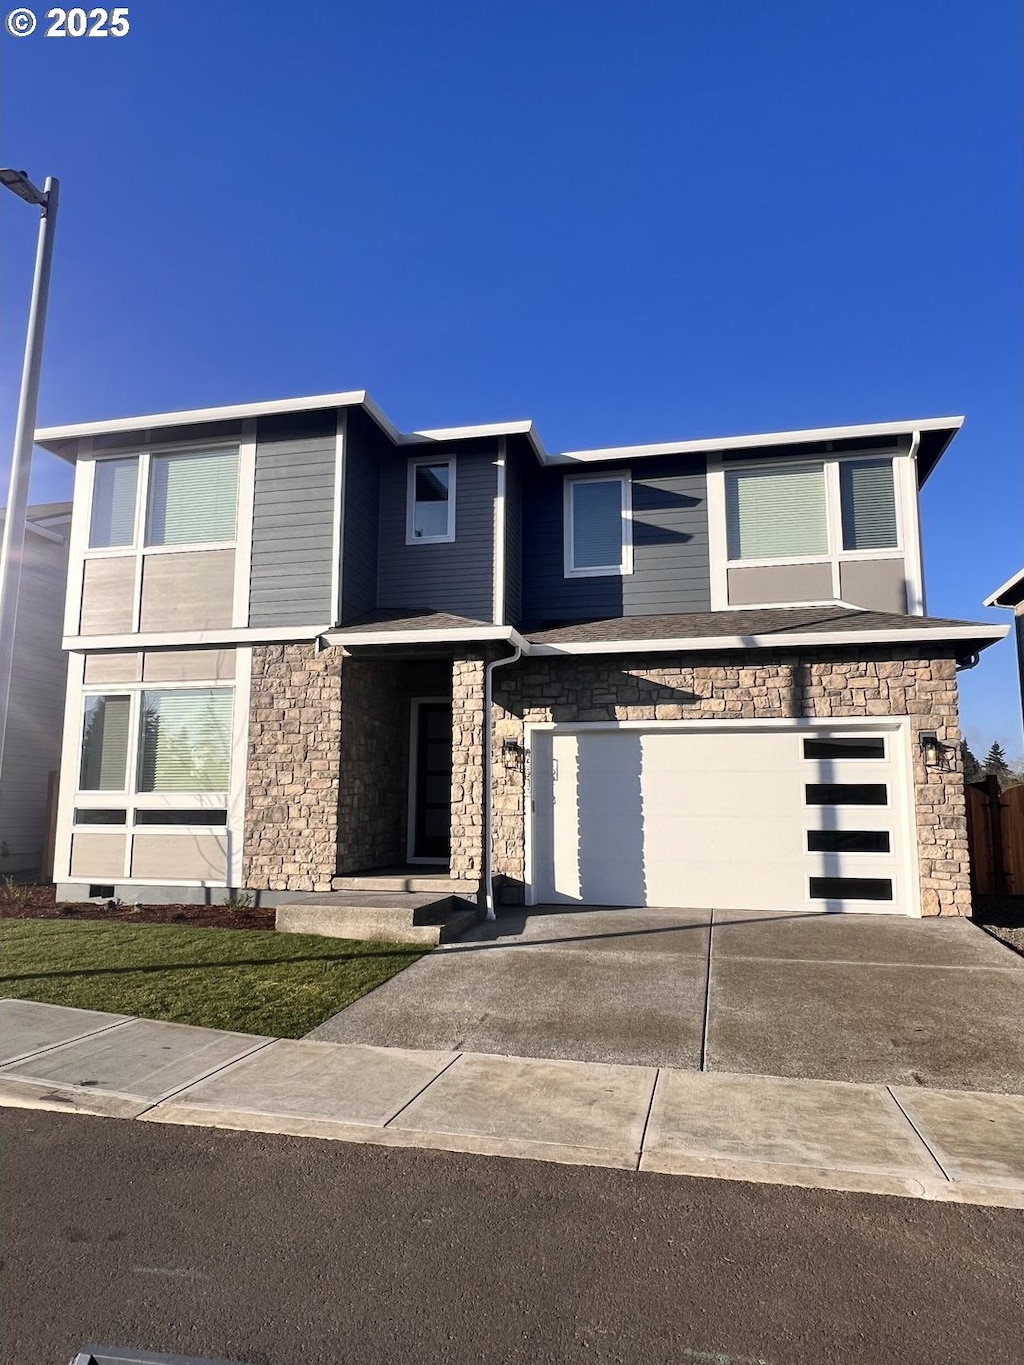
(728, 819)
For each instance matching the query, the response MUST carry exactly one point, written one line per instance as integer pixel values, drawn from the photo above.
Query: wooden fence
(995, 834)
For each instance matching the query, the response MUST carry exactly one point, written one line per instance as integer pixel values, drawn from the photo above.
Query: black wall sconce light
(512, 752)
(934, 753)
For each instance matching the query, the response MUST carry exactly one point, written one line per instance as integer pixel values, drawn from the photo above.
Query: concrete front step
(439, 883)
(387, 917)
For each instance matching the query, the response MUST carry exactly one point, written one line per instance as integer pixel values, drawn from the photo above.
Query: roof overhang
(969, 639)
(1010, 594)
(932, 433)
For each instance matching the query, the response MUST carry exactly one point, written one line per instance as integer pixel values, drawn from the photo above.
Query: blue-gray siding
(513, 540)
(453, 577)
(364, 447)
(670, 548)
(292, 541)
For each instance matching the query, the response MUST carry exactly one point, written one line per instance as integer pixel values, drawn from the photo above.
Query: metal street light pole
(12, 549)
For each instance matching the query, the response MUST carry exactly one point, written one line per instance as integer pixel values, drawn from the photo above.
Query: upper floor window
(113, 503)
(430, 512)
(598, 526)
(190, 498)
(810, 511)
(869, 505)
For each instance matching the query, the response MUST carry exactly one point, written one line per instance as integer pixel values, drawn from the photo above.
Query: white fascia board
(443, 635)
(771, 438)
(177, 639)
(818, 638)
(236, 412)
(522, 428)
(1015, 582)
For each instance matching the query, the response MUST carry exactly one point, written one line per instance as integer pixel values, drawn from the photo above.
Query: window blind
(105, 744)
(869, 504)
(186, 741)
(597, 524)
(192, 497)
(113, 503)
(772, 513)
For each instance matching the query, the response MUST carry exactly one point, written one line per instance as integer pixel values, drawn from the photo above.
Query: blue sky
(630, 223)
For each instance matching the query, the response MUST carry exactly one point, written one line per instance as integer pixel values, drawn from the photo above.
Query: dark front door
(432, 790)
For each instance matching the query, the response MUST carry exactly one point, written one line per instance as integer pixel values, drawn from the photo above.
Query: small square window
(598, 527)
(431, 502)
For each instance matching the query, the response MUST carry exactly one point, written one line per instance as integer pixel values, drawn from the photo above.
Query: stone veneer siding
(467, 825)
(747, 686)
(291, 802)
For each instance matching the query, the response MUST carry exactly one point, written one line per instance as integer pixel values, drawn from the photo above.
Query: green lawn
(253, 981)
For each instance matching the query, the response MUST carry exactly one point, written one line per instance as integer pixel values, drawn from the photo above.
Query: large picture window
(598, 536)
(192, 498)
(773, 513)
(185, 742)
(810, 511)
(430, 513)
(174, 740)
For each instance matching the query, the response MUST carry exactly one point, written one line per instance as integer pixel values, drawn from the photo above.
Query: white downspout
(488, 768)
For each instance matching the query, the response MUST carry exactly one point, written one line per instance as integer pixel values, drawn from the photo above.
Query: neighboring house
(36, 707)
(713, 680)
(1011, 595)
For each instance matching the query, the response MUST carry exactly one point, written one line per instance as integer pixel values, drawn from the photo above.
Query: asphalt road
(294, 1252)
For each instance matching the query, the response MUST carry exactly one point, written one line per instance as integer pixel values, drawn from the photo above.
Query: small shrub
(13, 892)
(238, 900)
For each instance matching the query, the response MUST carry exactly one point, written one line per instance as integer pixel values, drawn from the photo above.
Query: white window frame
(905, 501)
(833, 511)
(134, 691)
(410, 501)
(625, 564)
(81, 527)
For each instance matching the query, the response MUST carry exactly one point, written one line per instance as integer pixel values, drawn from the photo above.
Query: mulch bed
(38, 902)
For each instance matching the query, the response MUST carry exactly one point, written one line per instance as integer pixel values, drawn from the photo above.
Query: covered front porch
(395, 769)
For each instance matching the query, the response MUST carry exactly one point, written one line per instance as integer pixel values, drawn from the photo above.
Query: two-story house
(303, 644)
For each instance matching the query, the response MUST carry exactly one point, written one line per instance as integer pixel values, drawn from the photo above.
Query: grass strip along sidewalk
(249, 981)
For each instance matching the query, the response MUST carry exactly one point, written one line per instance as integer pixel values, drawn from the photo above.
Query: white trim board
(171, 639)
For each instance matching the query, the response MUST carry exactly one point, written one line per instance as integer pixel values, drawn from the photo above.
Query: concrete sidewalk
(956, 1146)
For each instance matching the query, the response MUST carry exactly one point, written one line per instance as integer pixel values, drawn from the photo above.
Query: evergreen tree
(972, 768)
(995, 760)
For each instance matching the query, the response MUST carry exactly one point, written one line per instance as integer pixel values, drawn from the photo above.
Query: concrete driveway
(872, 998)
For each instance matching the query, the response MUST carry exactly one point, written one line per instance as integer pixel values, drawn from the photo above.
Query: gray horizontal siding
(513, 541)
(364, 443)
(455, 577)
(670, 548)
(293, 514)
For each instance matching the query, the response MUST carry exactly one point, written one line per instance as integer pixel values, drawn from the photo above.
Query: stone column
(291, 812)
(467, 768)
